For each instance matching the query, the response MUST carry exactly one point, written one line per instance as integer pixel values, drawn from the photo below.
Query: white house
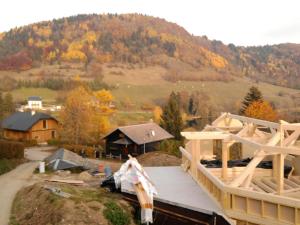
(35, 102)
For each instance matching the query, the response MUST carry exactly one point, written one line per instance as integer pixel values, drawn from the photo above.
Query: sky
(241, 22)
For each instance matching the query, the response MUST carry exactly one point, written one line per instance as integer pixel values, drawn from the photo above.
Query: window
(53, 134)
(45, 124)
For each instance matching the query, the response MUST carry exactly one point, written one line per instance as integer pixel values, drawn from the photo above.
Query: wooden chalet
(24, 126)
(135, 140)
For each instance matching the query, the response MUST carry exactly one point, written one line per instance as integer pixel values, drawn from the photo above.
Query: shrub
(89, 151)
(7, 165)
(115, 214)
(11, 150)
(54, 142)
(171, 147)
(30, 143)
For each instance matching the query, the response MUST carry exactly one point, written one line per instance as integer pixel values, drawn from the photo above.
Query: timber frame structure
(248, 195)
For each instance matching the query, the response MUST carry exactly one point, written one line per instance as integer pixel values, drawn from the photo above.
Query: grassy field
(48, 96)
(222, 94)
(138, 86)
(121, 118)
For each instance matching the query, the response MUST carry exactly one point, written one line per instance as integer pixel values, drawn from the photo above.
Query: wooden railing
(246, 206)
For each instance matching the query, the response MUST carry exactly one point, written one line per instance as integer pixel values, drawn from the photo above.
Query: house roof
(23, 121)
(143, 133)
(34, 98)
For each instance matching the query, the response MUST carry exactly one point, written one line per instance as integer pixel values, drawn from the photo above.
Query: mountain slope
(138, 39)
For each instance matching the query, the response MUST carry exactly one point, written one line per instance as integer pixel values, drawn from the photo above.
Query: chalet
(35, 102)
(24, 126)
(135, 139)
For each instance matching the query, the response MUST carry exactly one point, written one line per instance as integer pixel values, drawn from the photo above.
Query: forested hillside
(137, 39)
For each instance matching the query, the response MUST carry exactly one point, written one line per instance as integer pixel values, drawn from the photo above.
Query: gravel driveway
(13, 181)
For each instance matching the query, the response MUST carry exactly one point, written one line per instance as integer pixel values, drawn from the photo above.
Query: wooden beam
(270, 150)
(225, 148)
(255, 121)
(291, 126)
(246, 141)
(219, 119)
(185, 153)
(280, 172)
(205, 135)
(248, 169)
(292, 138)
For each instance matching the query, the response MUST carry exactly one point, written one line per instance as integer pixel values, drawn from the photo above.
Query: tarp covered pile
(64, 159)
(132, 172)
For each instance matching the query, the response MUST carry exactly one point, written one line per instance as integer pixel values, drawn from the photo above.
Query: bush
(115, 214)
(171, 147)
(7, 165)
(54, 142)
(89, 151)
(11, 150)
(30, 143)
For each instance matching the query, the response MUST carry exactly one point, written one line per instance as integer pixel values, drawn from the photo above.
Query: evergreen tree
(192, 106)
(253, 95)
(1, 107)
(171, 119)
(8, 104)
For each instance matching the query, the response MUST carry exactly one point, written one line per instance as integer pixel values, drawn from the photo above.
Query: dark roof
(143, 133)
(23, 121)
(34, 98)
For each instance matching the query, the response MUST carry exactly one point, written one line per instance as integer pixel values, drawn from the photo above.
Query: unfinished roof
(23, 121)
(34, 98)
(144, 133)
(176, 187)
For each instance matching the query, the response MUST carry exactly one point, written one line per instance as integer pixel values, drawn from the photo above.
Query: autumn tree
(171, 119)
(157, 112)
(253, 95)
(85, 116)
(261, 110)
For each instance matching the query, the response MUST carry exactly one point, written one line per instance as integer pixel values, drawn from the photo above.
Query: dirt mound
(158, 159)
(35, 205)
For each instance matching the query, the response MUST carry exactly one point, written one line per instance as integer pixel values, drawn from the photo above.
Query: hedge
(11, 150)
(89, 151)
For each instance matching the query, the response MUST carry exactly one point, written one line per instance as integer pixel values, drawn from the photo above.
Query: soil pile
(35, 205)
(158, 159)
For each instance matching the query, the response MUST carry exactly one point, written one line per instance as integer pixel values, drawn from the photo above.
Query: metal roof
(175, 187)
(23, 121)
(143, 133)
(34, 98)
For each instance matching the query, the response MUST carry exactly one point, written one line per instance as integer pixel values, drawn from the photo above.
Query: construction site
(237, 170)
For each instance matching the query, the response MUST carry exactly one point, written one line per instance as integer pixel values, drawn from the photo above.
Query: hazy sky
(242, 22)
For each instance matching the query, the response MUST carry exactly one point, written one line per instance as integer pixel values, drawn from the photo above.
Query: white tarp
(132, 172)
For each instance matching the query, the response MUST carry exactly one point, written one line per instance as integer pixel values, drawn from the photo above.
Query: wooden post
(280, 165)
(225, 148)
(195, 156)
(279, 172)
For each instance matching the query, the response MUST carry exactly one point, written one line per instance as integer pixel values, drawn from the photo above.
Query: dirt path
(10, 184)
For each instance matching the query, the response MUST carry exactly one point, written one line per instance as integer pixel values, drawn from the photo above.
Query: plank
(75, 182)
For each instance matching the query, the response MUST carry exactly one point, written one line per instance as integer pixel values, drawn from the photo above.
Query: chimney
(32, 112)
